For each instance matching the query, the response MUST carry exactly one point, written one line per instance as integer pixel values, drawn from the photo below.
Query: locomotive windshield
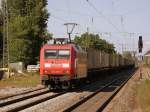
(50, 54)
(63, 54)
(60, 54)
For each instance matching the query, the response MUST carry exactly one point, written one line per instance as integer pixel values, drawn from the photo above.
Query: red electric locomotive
(62, 64)
(67, 64)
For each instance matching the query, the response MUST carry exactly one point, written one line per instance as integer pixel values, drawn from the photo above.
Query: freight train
(62, 65)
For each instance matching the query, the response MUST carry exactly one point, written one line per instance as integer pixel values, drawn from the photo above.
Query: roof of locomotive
(63, 46)
(58, 45)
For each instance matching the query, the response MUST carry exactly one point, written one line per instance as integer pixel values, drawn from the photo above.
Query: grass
(147, 65)
(29, 80)
(143, 94)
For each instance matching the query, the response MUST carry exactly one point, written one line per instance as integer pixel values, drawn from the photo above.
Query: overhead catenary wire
(102, 15)
(58, 18)
(72, 12)
(81, 13)
(64, 21)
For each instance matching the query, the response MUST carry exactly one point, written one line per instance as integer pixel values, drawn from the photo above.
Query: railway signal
(140, 44)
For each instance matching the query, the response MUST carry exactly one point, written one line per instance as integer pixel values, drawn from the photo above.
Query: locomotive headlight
(46, 71)
(65, 65)
(47, 65)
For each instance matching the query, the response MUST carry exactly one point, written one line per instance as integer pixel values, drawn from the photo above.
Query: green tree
(27, 25)
(87, 40)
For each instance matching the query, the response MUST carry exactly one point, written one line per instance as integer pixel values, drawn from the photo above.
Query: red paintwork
(58, 70)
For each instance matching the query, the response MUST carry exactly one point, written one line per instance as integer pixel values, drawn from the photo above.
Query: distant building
(147, 57)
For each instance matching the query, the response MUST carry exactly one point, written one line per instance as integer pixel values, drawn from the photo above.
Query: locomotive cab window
(50, 54)
(63, 54)
(59, 54)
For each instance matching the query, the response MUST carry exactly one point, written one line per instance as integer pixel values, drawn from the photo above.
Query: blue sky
(119, 21)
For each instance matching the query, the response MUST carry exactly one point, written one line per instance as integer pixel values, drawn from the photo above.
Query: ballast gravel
(59, 103)
(8, 91)
(11, 91)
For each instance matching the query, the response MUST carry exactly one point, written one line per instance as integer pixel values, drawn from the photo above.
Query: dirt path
(126, 100)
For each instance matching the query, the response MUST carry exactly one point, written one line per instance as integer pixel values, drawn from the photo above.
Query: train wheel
(69, 85)
(49, 86)
(43, 82)
(60, 85)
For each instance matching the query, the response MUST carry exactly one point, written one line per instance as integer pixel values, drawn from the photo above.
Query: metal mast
(5, 37)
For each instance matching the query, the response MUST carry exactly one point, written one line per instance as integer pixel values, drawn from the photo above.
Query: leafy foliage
(27, 25)
(87, 40)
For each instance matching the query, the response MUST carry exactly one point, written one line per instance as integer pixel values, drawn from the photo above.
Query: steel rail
(32, 103)
(21, 93)
(115, 93)
(77, 104)
(23, 97)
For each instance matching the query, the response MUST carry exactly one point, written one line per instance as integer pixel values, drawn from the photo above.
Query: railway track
(21, 93)
(99, 99)
(30, 99)
(27, 99)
